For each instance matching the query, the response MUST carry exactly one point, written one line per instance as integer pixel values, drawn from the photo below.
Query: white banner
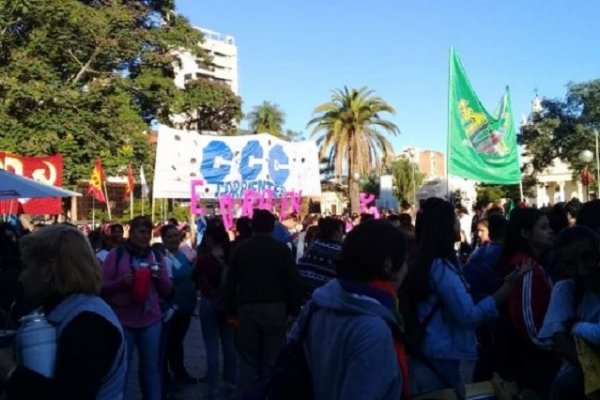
(230, 165)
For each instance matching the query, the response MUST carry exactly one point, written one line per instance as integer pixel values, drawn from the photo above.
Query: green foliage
(87, 78)
(210, 106)
(348, 129)
(370, 185)
(487, 194)
(564, 128)
(293, 136)
(407, 179)
(267, 118)
(137, 210)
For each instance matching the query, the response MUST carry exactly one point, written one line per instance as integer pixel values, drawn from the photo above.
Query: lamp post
(411, 154)
(586, 156)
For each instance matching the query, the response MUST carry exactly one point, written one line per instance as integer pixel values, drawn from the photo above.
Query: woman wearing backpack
(441, 303)
(351, 327)
(134, 294)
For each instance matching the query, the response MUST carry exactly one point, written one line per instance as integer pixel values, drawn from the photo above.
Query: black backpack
(290, 378)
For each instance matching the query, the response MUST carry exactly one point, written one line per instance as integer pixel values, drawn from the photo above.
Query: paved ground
(195, 361)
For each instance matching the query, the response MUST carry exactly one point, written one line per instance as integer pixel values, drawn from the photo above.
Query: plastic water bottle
(36, 344)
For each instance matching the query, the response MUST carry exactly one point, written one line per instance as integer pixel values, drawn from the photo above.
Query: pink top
(117, 293)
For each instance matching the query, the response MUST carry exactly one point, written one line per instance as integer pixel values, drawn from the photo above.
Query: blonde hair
(69, 255)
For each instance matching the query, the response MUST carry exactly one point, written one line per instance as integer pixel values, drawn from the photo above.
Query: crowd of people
(382, 308)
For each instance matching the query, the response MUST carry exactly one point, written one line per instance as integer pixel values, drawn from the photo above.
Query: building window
(202, 65)
(187, 77)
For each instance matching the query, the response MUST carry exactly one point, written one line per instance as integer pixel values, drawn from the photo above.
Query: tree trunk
(353, 189)
(353, 194)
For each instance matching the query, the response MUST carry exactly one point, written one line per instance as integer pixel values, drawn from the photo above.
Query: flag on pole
(96, 182)
(130, 182)
(481, 146)
(145, 191)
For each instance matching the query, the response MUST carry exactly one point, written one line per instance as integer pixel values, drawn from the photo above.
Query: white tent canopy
(14, 186)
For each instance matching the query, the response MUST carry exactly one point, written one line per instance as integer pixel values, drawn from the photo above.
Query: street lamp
(412, 155)
(586, 156)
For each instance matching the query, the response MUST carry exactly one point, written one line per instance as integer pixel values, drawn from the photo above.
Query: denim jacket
(450, 335)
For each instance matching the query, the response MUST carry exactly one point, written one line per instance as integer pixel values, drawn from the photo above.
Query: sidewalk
(195, 361)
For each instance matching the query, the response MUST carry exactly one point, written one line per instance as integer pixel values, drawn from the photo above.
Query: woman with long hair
(211, 267)
(527, 359)
(440, 300)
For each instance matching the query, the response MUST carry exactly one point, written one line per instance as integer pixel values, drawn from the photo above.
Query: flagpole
(521, 189)
(153, 206)
(93, 212)
(131, 204)
(448, 129)
(143, 205)
(107, 201)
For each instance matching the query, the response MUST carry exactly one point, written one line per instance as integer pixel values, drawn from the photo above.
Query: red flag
(45, 169)
(130, 182)
(96, 181)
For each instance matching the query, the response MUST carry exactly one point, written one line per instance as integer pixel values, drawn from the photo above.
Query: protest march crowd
(322, 307)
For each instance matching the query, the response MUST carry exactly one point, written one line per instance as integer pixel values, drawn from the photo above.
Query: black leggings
(178, 327)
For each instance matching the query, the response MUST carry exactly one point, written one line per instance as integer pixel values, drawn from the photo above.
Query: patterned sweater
(318, 265)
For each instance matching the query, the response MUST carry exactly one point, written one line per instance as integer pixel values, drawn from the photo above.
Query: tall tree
(293, 136)
(88, 78)
(267, 118)
(210, 106)
(563, 128)
(348, 127)
(407, 179)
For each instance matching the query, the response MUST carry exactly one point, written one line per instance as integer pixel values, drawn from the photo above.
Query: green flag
(481, 146)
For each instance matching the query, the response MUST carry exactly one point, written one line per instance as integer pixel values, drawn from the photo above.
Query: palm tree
(348, 127)
(268, 118)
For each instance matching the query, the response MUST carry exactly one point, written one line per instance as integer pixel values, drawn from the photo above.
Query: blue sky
(294, 52)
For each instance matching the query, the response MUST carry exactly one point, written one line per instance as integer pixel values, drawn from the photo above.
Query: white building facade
(223, 67)
(557, 184)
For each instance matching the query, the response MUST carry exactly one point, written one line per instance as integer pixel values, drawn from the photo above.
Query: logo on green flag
(482, 146)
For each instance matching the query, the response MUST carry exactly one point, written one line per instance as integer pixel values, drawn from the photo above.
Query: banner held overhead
(230, 165)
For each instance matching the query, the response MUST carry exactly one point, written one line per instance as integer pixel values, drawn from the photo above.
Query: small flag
(144, 184)
(96, 181)
(130, 182)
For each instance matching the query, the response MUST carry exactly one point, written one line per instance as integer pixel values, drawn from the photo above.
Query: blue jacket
(563, 306)
(450, 335)
(349, 346)
(480, 270)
